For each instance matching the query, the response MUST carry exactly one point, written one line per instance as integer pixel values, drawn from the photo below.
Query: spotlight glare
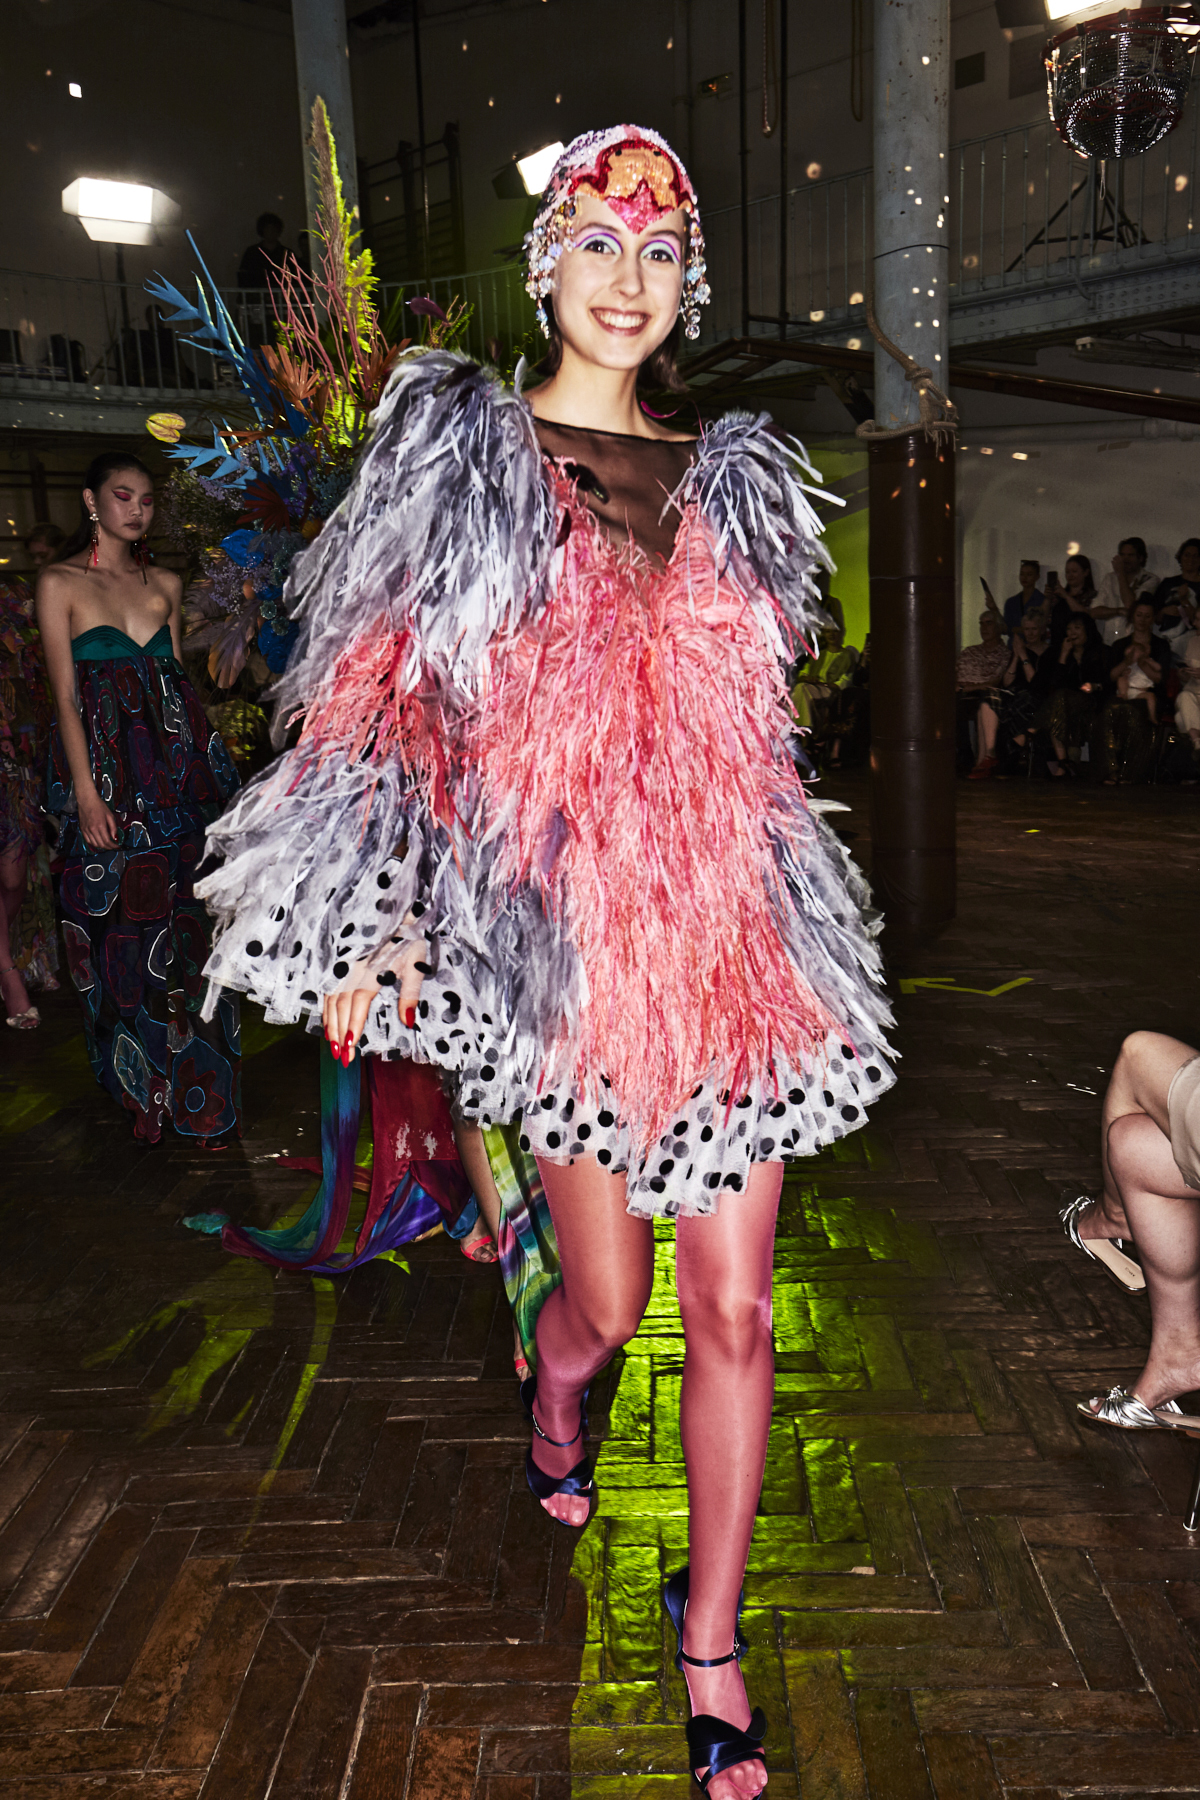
(113, 212)
(535, 168)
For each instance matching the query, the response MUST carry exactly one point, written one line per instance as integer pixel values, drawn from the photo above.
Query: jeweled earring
(95, 557)
(141, 556)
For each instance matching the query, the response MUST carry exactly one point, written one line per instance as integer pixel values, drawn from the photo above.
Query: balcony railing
(1024, 213)
(68, 338)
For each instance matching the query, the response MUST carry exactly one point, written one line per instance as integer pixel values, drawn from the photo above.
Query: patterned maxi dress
(136, 935)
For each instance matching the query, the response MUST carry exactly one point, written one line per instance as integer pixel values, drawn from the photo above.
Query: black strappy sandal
(710, 1740)
(579, 1480)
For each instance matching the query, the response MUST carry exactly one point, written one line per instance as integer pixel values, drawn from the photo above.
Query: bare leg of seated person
(1164, 1219)
(1141, 1081)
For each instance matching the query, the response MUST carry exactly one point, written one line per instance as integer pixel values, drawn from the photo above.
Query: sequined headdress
(637, 173)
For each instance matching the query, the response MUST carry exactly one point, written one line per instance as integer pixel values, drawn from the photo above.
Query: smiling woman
(543, 830)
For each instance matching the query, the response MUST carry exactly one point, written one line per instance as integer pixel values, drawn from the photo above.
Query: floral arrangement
(246, 505)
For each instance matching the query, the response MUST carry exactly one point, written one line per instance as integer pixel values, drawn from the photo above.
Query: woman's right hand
(97, 825)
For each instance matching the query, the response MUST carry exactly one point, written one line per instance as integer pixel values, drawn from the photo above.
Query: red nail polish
(410, 1017)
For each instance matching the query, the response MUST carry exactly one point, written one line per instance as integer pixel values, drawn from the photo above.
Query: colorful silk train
(415, 1180)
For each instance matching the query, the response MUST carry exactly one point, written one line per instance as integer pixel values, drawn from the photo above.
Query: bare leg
(986, 724)
(607, 1261)
(1164, 1218)
(14, 865)
(723, 1275)
(474, 1158)
(1141, 1080)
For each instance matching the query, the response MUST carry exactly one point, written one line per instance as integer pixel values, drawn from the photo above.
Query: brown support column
(913, 636)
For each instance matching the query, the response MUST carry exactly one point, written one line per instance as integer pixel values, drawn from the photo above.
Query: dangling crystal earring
(95, 556)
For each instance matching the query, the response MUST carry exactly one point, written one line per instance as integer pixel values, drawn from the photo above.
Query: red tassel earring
(95, 556)
(141, 556)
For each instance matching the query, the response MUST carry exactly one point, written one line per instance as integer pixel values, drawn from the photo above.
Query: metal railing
(66, 337)
(1024, 213)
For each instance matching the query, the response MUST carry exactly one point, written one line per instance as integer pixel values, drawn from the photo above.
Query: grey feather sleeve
(446, 534)
(442, 544)
(750, 484)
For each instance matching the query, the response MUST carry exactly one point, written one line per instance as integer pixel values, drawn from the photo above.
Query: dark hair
(658, 371)
(1030, 562)
(1139, 548)
(1091, 635)
(98, 471)
(1187, 544)
(1085, 563)
(44, 532)
(265, 219)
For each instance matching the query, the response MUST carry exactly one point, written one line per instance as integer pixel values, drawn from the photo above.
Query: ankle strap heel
(714, 1745)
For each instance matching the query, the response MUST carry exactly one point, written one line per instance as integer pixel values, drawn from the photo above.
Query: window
(969, 71)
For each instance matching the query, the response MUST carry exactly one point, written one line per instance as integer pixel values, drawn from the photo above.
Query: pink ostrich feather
(369, 710)
(633, 749)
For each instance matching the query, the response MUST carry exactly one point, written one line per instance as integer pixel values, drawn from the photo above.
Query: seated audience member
(1126, 582)
(1123, 738)
(1079, 674)
(1007, 716)
(1187, 701)
(1175, 598)
(1150, 1154)
(1028, 678)
(819, 679)
(1076, 597)
(979, 679)
(1028, 597)
(849, 719)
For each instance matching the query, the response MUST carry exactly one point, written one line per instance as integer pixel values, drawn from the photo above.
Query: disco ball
(1118, 83)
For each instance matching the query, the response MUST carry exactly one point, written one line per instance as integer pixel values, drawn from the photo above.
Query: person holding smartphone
(1028, 598)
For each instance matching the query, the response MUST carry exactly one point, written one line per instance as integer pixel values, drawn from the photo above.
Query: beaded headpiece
(637, 173)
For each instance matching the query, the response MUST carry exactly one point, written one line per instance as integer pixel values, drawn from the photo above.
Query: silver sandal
(1129, 1413)
(1105, 1251)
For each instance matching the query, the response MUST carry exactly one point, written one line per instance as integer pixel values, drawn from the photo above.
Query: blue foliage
(277, 459)
(241, 547)
(275, 644)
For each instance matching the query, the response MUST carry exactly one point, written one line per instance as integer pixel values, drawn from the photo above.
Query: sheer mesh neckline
(629, 437)
(625, 481)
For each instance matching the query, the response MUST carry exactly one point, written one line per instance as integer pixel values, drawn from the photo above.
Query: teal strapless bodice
(103, 642)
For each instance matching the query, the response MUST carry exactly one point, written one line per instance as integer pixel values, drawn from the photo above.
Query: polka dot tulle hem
(714, 1139)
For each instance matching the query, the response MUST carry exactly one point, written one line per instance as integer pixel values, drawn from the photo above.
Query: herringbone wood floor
(267, 1535)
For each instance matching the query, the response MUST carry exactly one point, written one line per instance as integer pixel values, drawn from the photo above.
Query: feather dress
(546, 735)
